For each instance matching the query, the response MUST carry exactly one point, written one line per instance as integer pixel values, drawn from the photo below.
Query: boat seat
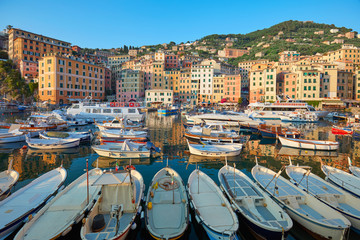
(100, 235)
(249, 203)
(349, 208)
(166, 197)
(308, 211)
(292, 202)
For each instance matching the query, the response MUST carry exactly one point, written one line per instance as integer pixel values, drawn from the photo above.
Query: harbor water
(167, 132)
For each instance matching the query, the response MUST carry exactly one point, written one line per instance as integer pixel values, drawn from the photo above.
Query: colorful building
(63, 79)
(232, 88)
(130, 87)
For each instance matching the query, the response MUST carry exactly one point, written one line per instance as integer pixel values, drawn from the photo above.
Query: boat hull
(123, 154)
(308, 144)
(211, 138)
(269, 134)
(12, 139)
(228, 153)
(53, 146)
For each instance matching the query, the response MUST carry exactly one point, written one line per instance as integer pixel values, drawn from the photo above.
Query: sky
(114, 23)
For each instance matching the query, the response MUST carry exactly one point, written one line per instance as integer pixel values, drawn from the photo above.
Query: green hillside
(306, 41)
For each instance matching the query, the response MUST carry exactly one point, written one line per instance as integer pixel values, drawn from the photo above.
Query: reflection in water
(167, 133)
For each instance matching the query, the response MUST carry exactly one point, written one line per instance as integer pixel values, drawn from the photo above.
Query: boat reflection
(42, 152)
(288, 151)
(105, 162)
(10, 147)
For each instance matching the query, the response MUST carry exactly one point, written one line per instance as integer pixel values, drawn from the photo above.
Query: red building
(232, 86)
(76, 48)
(28, 69)
(171, 61)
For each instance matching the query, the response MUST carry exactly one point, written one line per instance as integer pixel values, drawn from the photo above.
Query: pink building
(171, 61)
(232, 86)
(147, 68)
(29, 69)
(289, 56)
(130, 86)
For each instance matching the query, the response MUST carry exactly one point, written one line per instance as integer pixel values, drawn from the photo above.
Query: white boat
(287, 107)
(122, 133)
(336, 198)
(212, 132)
(353, 169)
(300, 117)
(309, 144)
(167, 211)
(83, 136)
(125, 149)
(289, 151)
(52, 143)
(119, 123)
(114, 212)
(265, 218)
(105, 111)
(66, 209)
(211, 149)
(342, 179)
(8, 179)
(229, 118)
(317, 218)
(212, 210)
(28, 200)
(13, 135)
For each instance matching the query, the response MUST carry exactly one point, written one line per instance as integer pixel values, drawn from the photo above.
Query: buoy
(149, 206)
(306, 151)
(151, 194)
(133, 226)
(24, 147)
(133, 201)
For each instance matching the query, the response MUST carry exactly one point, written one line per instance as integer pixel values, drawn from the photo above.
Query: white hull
(12, 139)
(309, 144)
(67, 208)
(318, 218)
(8, 179)
(122, 154)
(114, 135)
(47, 144)
(215, 150)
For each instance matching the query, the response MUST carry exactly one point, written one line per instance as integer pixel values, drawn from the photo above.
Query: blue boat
(168, 111)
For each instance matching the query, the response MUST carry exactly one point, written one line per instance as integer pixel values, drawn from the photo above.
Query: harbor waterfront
(167, 132)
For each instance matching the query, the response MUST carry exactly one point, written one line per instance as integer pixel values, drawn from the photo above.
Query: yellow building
(186, 94)
(62, 79)
(262, 83)
(172, 79)
(347, 52)
(308, 82)
(219, 87)
(158, 80)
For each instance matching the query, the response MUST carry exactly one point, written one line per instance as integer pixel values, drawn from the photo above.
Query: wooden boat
(68, 208)
(342, 179)
(119, 123)
(334, 197)
(317, 218)
(12, 136)
(84, 136)
(341, 130)
(167, 211)
(126, 149)
(114, 212)
(353, 169)
(8, 179)
(212, 133)
(274, 131)
(168, 111)
(13, 209)
(309, 144)
(211, 149)
(124, 134)
(212, 210)
(266, 219)
(52, 143)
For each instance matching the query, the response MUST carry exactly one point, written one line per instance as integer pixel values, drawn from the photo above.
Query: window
(107, 110)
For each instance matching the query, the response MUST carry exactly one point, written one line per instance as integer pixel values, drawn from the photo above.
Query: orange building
(28, 46)
(62, 79)
(232, 84)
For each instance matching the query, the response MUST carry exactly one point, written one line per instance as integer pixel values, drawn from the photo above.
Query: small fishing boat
(126, 149)
(124, 134)
(12, 136)
(167, 211)
(173, 110)
(274, 131)
(52, 143)
(119, 123)
(84, 136)
(13, 209)
(334, 197)
(265, 218)
(317, 218)
(342, 179)
(66, 209)
(115, 210)
(309, 144)
(214, 132)
(208, 203)
(341, 130)
(211, 149)
(353, 169)
(8, 179)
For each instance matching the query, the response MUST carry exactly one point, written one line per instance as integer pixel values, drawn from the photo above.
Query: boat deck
(250, 200)
(209, 203)
(110, 229)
